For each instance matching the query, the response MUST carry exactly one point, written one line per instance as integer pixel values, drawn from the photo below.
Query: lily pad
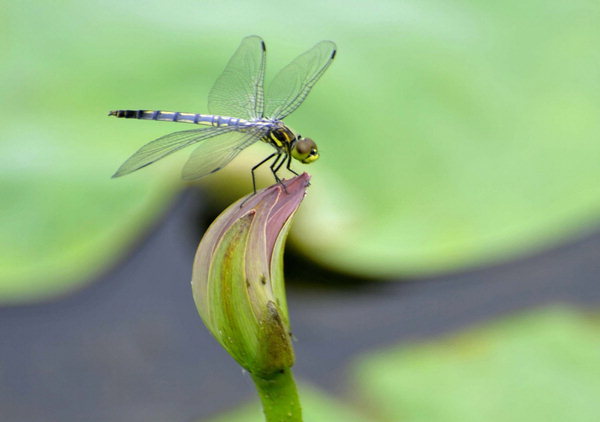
(455, 135)
(544, 366)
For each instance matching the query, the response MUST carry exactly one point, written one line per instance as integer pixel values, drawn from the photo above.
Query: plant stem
(279, 397)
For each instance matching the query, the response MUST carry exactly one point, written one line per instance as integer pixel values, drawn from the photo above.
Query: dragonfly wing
(214, 154)
(239, 91)
(293, 83)
(166, 145)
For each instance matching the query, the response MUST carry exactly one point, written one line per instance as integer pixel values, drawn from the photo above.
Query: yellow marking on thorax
(275, 140)
(284, 133)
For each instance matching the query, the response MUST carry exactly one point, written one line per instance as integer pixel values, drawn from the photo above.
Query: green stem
(279, 397)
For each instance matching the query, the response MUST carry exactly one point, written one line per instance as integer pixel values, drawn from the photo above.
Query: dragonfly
(241, 112)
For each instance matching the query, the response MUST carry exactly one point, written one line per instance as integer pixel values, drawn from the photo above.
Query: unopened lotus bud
(237, 278)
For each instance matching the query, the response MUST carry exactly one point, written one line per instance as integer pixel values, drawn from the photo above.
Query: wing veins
(293, 83)
(166, 145)
(239, 90)
(215, 154)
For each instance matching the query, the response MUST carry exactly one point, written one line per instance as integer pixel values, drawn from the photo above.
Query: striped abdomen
(176, 116)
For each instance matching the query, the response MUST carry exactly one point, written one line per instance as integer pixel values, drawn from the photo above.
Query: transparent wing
(166, 145)
(239, 91)
(293, 83)
(214, 154)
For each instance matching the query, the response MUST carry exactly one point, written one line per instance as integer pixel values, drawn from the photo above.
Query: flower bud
(237, 279)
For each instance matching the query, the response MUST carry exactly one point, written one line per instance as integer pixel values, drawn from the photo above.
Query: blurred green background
(453, 135)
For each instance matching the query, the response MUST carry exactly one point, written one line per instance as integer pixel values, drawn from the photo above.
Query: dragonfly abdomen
(176, 116)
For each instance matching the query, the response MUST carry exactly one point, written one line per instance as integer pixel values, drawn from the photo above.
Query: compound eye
(303, 147)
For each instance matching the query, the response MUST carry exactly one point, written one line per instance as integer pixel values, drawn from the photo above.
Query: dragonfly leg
(289, 163)
(285, 157)
(275, 169)
(278, 154)
(258, 165)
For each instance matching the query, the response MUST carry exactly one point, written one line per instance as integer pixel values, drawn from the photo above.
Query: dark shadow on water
(303, 274)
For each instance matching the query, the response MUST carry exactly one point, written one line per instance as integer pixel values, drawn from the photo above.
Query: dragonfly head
(305, 150)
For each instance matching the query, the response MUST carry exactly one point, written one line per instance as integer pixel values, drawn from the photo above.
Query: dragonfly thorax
(280, 136)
